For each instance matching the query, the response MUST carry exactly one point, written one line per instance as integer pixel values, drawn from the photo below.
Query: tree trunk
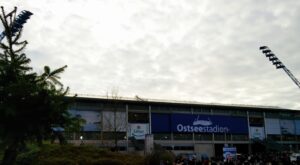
(39, 139)
(10, 154)
(61, 138)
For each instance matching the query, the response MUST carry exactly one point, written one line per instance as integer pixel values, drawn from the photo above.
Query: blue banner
(187, 123)
(160, 122)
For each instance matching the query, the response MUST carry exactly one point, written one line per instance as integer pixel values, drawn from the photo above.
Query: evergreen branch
(22, 47)
(59, 70)
(3, 46)
(17, 36)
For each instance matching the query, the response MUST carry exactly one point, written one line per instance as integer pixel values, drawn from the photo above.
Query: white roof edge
(173, 101)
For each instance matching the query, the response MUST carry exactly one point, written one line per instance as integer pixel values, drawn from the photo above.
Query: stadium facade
(184, 127)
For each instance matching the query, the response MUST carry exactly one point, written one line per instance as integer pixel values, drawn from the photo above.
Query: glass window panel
(255, 114)
(87, 106)
(112, 105)
(109, 122)
(288, 138)
(272, 114)
(298, 138)
(274, 137)
(182, 109)
(256, 121)
(183, 147)
(221, 111)
(203, 137)
(286, 114)
(239, 113)
(162, 136)
(112, 135)
(138, 107)
(183, 136)
(219, 137)
(201, 110)
(134, 117)
(240, 137)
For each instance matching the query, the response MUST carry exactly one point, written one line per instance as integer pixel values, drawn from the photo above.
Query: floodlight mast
(278, 64)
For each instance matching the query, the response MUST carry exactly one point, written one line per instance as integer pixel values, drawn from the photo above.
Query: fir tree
(30, 104)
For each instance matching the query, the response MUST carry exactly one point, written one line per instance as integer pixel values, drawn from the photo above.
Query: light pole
(17, 23)
(278, 64)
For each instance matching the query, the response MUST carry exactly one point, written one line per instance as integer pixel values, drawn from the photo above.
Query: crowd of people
(241, 159)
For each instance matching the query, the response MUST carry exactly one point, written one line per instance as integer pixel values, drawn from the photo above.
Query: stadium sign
(202, 126)
(186, 123)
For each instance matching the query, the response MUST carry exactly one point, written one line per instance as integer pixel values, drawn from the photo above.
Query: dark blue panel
(208, 124)
(160, 122)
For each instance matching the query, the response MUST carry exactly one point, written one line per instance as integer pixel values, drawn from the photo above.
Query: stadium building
(184, 127)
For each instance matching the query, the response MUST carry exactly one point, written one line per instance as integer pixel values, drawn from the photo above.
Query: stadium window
(162, 136)
(298, 138)
(111, 135)
(180, 109)
(186, 148)
(160, 109)
(274, 137)
(219, 137)
(239, 113)
(114, 106)
(288, 138)
(138, 107)
(134, 117)
(201, 110)
(242, 137)
(203, 137)
(256, 121)
(272, 115)
(186, 136)
(286, 115)
(87, 106)
(255, 114)
(221, 111)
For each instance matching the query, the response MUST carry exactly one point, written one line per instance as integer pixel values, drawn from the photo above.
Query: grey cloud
(204, 51)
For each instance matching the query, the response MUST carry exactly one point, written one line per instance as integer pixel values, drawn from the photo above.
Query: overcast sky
(186, 50)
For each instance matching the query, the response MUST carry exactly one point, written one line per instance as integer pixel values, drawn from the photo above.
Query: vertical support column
(192, 111)
(102, 127)
(265, 130)
(74, 133)
(249, 134)
(150, 118)
(127, 135)
(213, 144)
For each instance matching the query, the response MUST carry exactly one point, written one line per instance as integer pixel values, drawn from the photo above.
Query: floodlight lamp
(266, 51)
(273, 58)
(263, 47)
(270, 55)
(276, 62)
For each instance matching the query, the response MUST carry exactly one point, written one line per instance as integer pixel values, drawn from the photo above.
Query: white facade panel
(138, 131)
(109, 121)
(272, 126)
(257, 133)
